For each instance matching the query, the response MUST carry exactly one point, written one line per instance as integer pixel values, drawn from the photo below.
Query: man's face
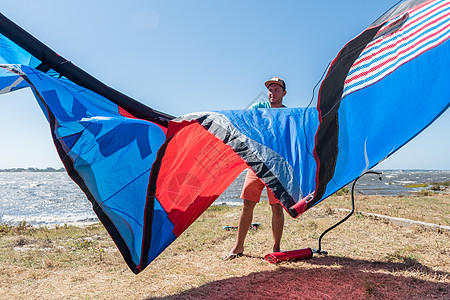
(276, 94)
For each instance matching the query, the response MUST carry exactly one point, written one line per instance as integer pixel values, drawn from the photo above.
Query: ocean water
(42, 198)
(45, 198)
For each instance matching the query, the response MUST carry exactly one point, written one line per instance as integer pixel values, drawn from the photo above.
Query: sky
(180, 57)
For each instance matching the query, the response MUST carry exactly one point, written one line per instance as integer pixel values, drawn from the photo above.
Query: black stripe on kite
(326, 148)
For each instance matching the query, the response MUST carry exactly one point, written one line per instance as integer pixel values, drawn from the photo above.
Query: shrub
(5, 228)
(425, 193)
(342, 192)
(435, 188)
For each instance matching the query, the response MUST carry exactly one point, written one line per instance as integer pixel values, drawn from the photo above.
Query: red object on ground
(277, 257)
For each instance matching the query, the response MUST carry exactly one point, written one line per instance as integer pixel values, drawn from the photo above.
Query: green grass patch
(416, 185)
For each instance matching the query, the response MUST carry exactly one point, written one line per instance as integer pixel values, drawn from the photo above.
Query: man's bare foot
(231, 256)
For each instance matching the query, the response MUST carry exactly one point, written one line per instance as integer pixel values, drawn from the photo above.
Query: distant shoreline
(49, 169)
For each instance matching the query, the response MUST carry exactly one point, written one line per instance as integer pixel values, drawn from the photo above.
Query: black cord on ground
(320, 251)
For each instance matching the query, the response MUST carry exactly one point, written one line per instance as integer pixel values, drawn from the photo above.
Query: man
(253, 186)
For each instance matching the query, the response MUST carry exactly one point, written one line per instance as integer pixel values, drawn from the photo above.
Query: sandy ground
(369, 258)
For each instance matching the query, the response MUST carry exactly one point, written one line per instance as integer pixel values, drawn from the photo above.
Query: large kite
(149, 176)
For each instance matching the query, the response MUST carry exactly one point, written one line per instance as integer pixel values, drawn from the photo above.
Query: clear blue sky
(200, 55)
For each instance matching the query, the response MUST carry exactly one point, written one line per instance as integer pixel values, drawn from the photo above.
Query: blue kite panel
(289, 133)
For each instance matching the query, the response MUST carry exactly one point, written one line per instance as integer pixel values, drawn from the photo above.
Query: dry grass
(430, 209)
(368, 259)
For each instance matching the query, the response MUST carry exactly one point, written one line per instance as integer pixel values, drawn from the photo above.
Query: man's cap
(275, 80)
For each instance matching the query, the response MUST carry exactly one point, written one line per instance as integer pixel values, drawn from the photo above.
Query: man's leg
(277, 225)
(245, 220)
